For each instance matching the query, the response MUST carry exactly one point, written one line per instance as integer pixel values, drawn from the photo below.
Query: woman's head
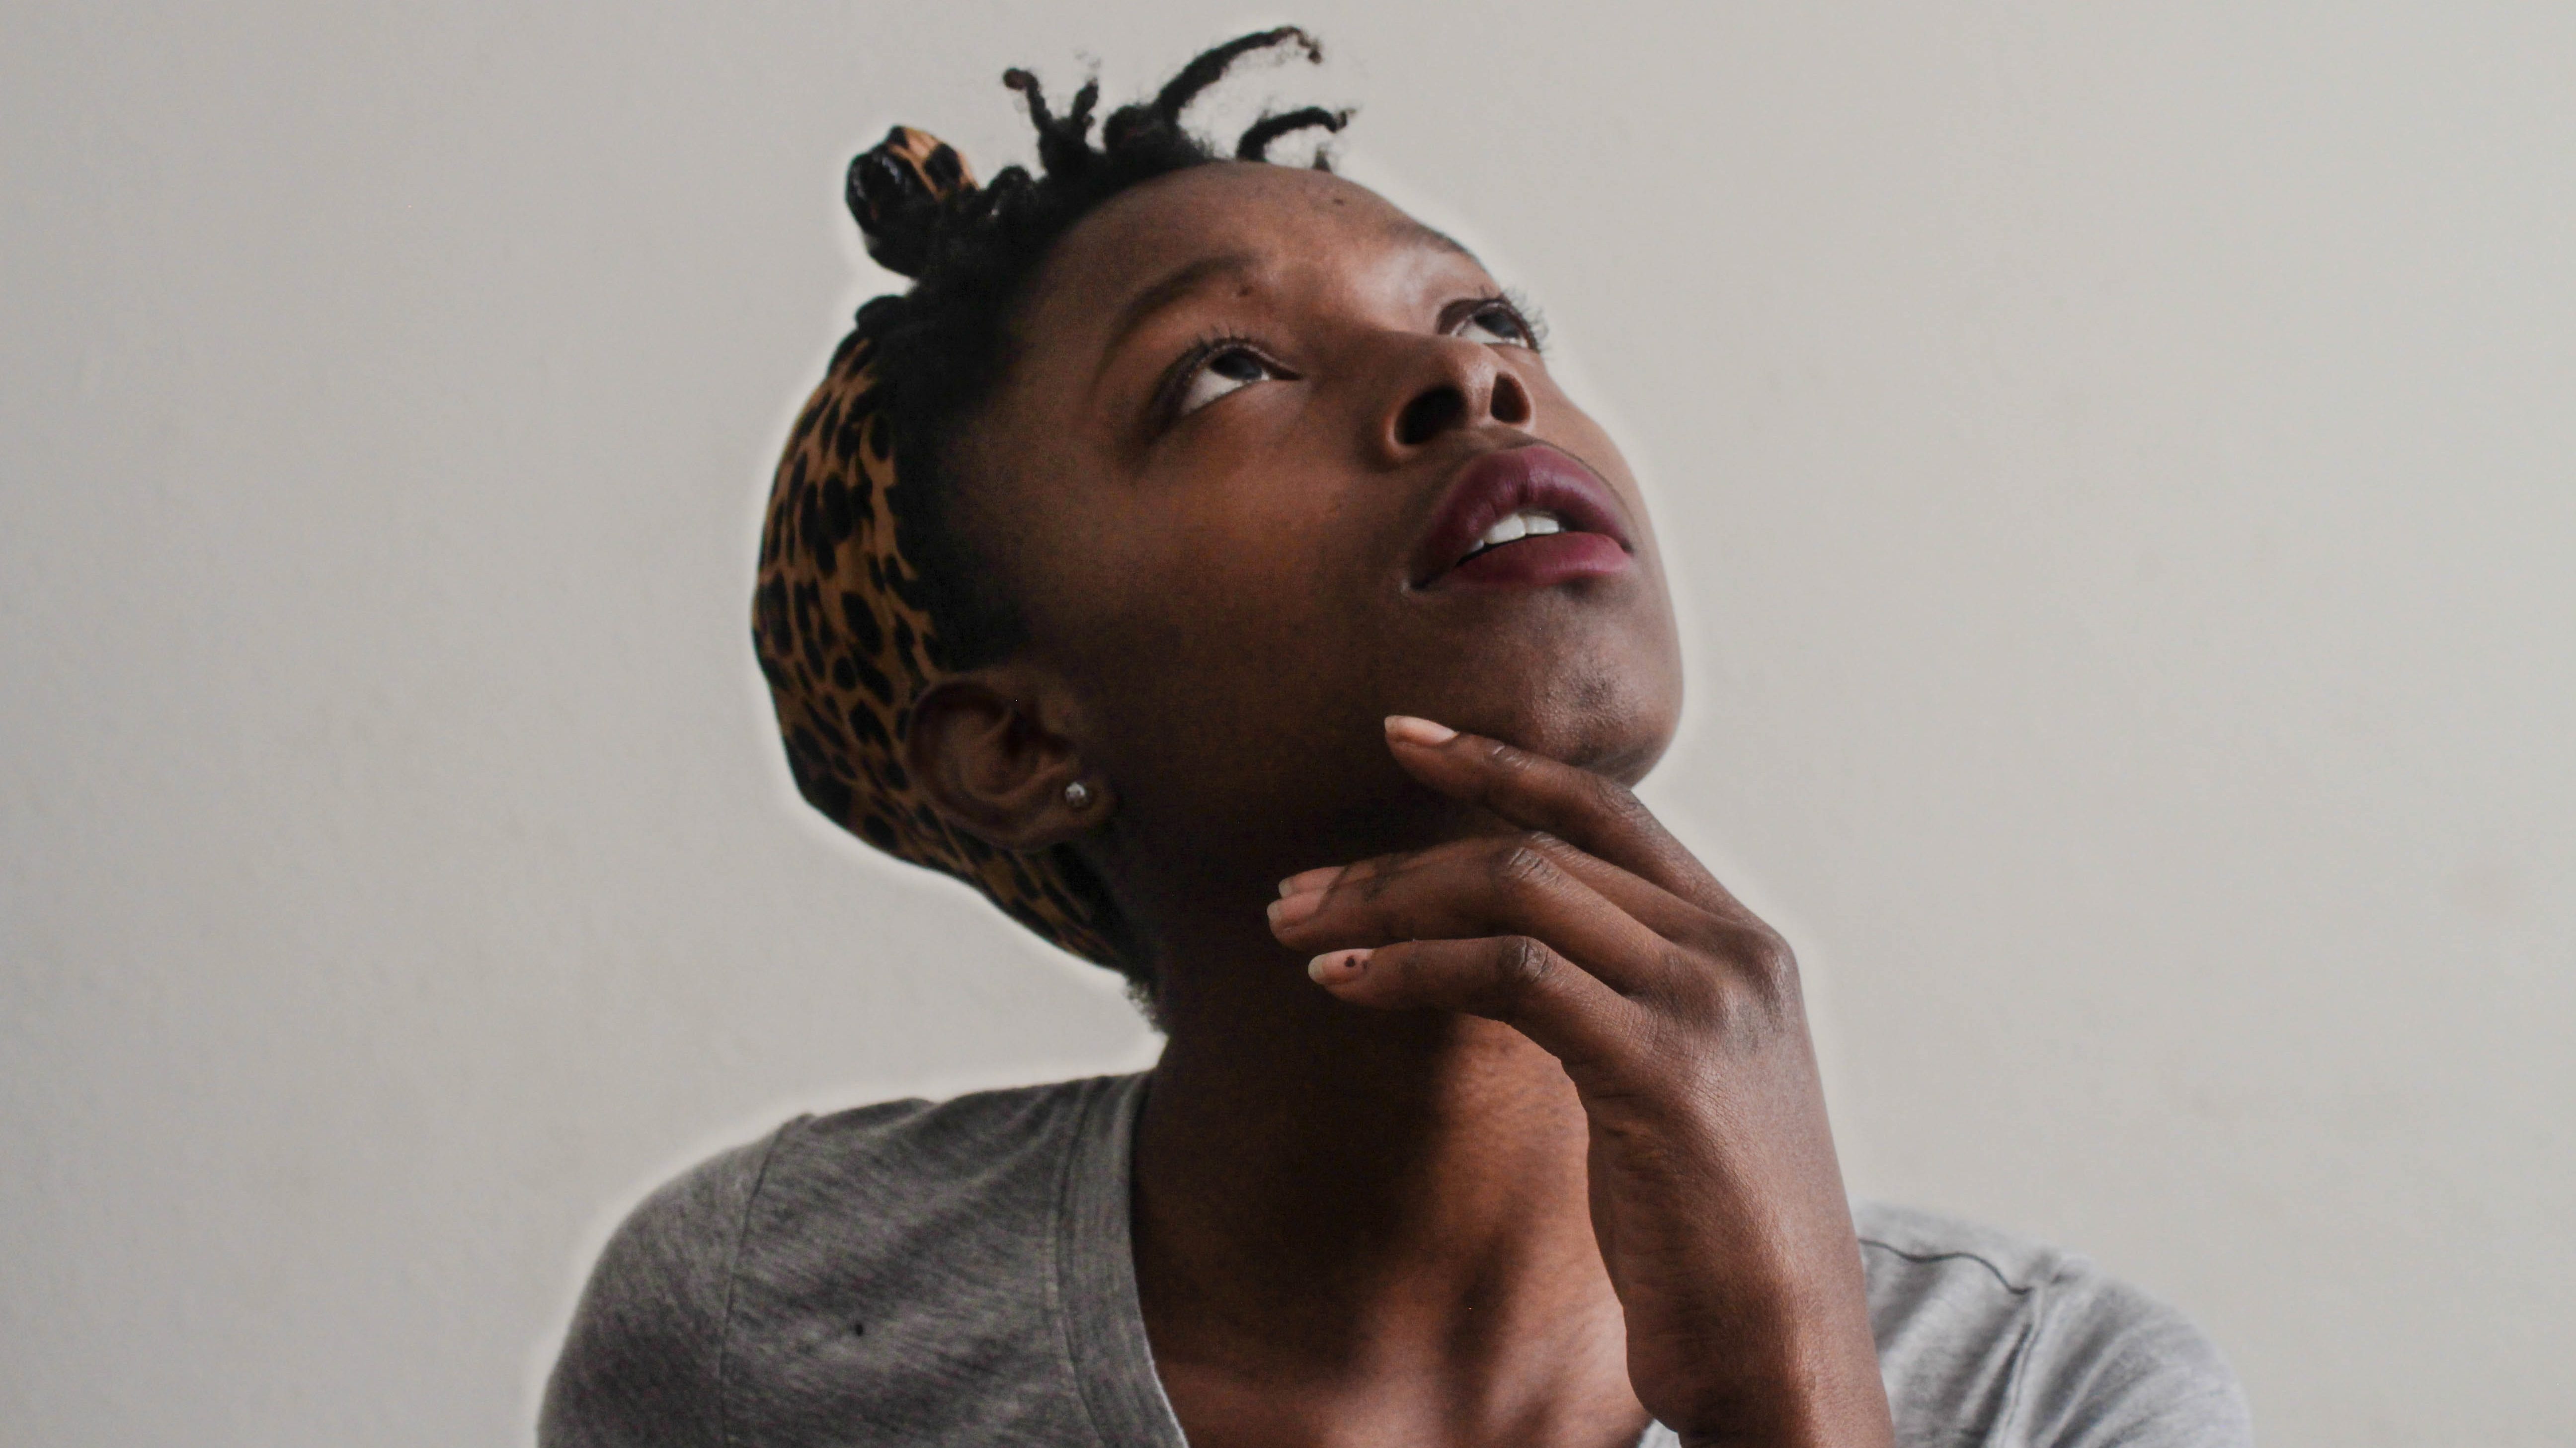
(1204, 480)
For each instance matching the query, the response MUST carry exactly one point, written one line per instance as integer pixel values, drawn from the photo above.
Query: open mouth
(1526, 523)
(1521, 517)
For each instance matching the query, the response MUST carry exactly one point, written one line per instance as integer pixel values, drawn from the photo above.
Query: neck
(1372, 1206)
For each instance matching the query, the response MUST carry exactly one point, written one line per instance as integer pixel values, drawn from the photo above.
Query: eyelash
(1522, 310)
(1185, 368)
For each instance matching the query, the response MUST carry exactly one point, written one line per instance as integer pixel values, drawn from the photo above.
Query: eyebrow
(1190, 278)
(1171, 288)
(1405, 228)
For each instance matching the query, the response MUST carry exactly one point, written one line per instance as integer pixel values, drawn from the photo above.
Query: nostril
(1430, 415)
(1510, 404)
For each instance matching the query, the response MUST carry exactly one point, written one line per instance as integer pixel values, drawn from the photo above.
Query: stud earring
(1077, 794)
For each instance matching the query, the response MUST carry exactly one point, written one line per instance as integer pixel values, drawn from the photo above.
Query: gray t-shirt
(959, 1274)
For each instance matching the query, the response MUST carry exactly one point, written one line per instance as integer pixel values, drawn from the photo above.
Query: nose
(1448, 384)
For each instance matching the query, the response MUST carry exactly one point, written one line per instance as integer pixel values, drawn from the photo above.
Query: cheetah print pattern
(842, 638)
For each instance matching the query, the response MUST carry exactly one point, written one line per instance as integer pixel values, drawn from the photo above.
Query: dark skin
(1487, 1116)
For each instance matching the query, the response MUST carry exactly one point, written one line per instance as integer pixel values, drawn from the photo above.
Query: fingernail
(1305, 880)
(1289, 909)
(1418, 731)
(1335, 965)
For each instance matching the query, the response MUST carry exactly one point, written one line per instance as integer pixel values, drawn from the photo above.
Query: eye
(1498, 321)
(1226, 369)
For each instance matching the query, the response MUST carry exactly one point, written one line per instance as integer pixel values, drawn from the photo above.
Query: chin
(1588, 672)
(1613, 725)
(1609, 709)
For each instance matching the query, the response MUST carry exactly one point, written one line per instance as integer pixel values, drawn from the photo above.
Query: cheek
(1222, 587)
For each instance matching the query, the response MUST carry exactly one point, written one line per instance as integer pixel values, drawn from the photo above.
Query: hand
(1676, 1013)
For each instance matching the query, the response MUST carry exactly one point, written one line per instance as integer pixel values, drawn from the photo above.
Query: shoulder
(642, 1358)
(2033, 1344)
(666, 1347)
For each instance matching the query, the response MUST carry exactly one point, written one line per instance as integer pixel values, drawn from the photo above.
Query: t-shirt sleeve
(2110, 1365)
(642, 1366)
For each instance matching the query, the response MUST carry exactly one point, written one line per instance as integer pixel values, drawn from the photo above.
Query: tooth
(1505, 531)
(1542, 523)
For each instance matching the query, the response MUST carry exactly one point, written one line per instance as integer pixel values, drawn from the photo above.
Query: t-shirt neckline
(1095, 1305)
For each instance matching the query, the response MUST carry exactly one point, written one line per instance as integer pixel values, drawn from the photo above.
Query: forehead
(1269, 216)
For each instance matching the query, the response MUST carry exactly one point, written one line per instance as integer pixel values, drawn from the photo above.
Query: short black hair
(940, 348)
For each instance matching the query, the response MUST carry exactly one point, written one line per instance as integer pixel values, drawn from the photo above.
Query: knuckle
(1689, 982)
(1522, 966)
(1732, 978)
(1618, 802)
(1525, 864)
(1761, 993)
(1768, 961)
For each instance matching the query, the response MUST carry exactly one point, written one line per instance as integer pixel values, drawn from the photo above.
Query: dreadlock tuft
(1255, 145)
(1212, 64)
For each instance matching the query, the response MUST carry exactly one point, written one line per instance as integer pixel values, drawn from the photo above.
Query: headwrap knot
(895, 191)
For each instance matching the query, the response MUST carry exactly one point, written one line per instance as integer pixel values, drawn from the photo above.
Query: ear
(989, 750)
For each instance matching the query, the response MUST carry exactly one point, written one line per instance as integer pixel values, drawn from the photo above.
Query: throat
(1373, 1207)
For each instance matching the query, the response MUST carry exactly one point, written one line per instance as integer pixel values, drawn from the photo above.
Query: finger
(1305, 880)
(1597, 815)
(1652, 905)
(1516, 886)
(1512, 979)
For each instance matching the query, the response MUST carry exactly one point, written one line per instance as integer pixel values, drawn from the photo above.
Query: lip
(1494, 485)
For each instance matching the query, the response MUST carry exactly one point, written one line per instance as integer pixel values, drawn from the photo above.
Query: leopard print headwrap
(837, 619)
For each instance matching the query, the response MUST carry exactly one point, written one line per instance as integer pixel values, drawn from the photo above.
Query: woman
(1200, 560)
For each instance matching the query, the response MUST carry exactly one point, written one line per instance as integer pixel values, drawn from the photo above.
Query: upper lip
(1491, 486)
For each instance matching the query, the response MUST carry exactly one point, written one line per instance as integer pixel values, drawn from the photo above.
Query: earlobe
(992, 755)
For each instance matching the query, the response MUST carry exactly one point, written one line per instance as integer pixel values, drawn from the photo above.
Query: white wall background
(2121, 462)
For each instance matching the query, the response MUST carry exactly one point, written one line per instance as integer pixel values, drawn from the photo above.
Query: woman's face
(1255, 420)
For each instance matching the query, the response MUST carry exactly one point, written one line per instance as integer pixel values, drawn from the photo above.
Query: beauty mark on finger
(1336, 966)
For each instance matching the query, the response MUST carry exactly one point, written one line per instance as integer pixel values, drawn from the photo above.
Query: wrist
(1841, 1420)
(1810, 1384)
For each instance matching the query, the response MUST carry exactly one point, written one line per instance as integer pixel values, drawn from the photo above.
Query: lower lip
(1539, 562)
